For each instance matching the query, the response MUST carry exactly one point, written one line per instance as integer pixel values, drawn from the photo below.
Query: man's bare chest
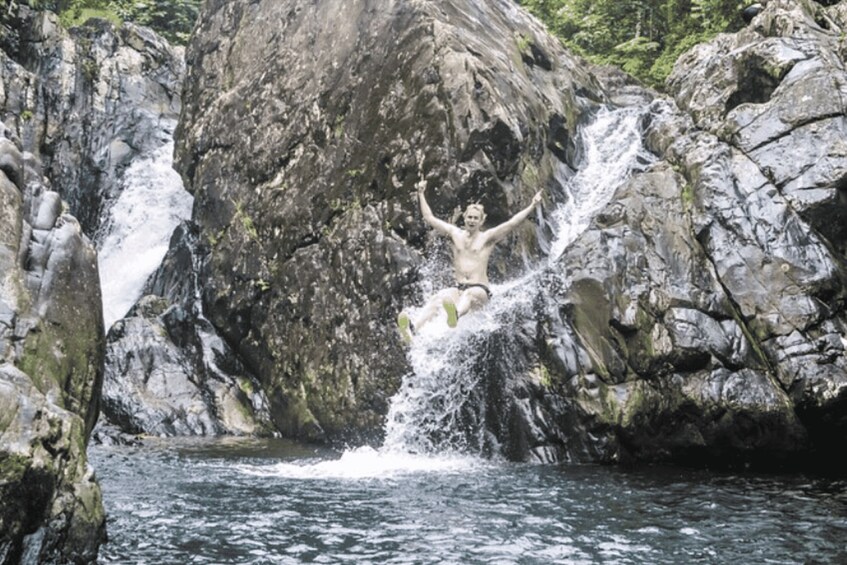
(471, 246)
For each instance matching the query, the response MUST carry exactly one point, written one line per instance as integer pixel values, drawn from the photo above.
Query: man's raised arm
(440, 225)
(499, 232)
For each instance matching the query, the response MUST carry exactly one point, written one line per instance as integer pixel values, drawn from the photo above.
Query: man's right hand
(421, 186)
(536, 199)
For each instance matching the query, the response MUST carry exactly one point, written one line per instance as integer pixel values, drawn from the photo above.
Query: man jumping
(471, 250)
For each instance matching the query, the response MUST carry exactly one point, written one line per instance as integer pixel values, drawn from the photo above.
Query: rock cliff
(77, 106)
(51, 367)
(304, 130)
(699, 317)
(703, 317)
(91, 99)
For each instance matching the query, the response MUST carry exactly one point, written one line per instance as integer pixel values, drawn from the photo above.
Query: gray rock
(311, 220)
(168, 372)
(51, 509)
(776, 91)
(51, 357)
(11, 161)
(86, 101)
(49, 209)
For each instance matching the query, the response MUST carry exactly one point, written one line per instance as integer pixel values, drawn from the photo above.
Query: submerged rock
(51, 363)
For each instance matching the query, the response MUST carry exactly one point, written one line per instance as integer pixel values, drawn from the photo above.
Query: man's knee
(448, 294)
(477, 297)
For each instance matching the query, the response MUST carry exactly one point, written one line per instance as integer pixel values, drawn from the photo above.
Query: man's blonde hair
(475, 206)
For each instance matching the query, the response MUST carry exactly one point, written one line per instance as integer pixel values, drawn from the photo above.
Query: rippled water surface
(251, 501)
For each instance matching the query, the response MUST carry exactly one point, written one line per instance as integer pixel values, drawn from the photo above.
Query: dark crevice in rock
(826, 427)
(499, 144)
(535, 56)
(822, 21)
(559, 140)
(755, 85)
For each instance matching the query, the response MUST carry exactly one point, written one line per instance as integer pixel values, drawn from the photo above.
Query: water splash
(441, 407)
(367, 463)
(137, 227)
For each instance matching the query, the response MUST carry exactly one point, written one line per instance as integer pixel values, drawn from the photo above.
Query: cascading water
(436, 421)
(433, 412)
(613, 150)
(136, 228)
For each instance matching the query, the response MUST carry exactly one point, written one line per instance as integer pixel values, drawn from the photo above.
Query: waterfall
(439, 407)
(136, 228)
(613, 149)
(436, 420)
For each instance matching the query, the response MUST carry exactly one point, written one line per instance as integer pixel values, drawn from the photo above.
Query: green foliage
(643, 37)
(246, 221)
(71, 18)
(173, 19)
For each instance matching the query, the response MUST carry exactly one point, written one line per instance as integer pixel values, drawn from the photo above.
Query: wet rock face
(87, 100)
(774, 92)
(313, 231)
(701, 317)
(787, 157)
(168, 373)
(51, 356)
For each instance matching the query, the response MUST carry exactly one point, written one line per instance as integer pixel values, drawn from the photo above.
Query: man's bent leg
(471, 299)
(465, 301)
(431, 309)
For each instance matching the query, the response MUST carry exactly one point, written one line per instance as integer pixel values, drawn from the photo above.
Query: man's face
(473, 218)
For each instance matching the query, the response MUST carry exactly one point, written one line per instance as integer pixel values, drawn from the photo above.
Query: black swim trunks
(466, 286)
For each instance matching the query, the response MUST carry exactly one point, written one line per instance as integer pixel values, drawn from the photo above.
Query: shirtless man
(472, 247)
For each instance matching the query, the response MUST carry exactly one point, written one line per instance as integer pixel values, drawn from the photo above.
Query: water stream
(429, 414)
(136, 228)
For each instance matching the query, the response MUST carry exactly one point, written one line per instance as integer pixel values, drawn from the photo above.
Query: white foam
(369, 463)
(137, 227)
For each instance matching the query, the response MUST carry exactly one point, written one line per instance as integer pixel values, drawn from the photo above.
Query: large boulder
(774, 92)
(303, 132)
(770, 193)
(51, 366)
(701, 317)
